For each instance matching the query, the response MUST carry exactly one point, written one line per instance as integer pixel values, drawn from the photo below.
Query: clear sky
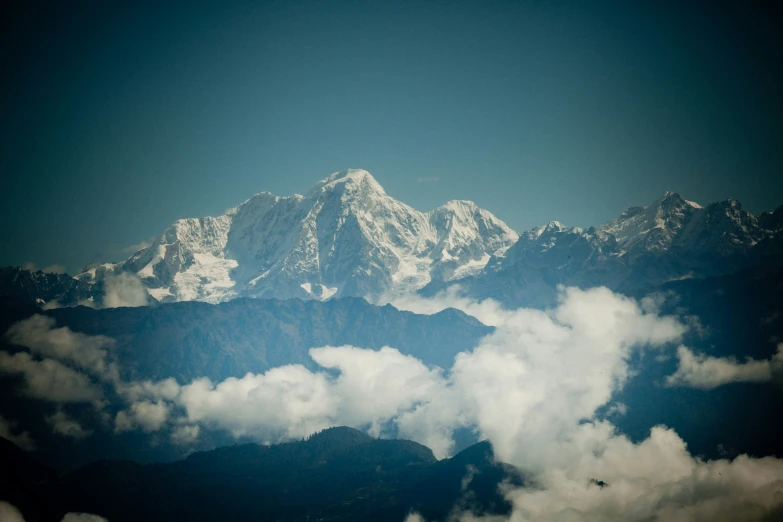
(118, 118)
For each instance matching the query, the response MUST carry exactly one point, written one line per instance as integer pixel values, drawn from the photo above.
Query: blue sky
(118, 118)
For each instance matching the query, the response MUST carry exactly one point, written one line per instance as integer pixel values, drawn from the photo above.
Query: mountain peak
(339, 436)
(345, 237)
(669, 197)
(555, 225)
(350, 179)
(459, 204)
(673, 197)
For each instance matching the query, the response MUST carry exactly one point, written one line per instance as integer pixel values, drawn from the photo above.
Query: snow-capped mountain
(345, 237)
(669, 239)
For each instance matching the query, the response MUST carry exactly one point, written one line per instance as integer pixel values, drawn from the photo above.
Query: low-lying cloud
(533, 387)
(66, 426)
(22, 439)
(538, 374)
(147, 415)
(61, 365)
(9, 513)
(41, 336)
(49, 380)
(124, 289)
(706, 372)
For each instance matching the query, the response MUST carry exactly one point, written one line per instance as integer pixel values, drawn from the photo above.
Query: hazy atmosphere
(119, 118)
(391, 261)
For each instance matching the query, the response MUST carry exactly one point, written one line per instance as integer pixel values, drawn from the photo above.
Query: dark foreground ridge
(337, 474)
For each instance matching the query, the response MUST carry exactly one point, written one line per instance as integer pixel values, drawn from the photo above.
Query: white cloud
(283, 403)
(23, 439)
(706, 372)
(82, 517)
(49, 380)
(64, 425)
(541, 371)
(40, 335)
(50, 269)
(656, 479)
(488, 311)
(9, 513)
(394, 382)
(124, 289)
(166, 389)
(533, 388)
(141, 245)
(185, 434)
(149, 416)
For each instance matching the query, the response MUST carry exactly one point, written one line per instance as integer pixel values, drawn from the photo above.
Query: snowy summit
(345, 237)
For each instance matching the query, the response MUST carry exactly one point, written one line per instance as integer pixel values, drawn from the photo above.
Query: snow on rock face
(346, 236)
(652, 228)
(669, 239)
(673, 223)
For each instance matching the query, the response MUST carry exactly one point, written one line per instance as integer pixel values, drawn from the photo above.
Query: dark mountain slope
(189, 340)
(740, 316)
(33, 287)
(338, 474)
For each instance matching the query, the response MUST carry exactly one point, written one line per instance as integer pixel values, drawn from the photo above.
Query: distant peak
(340, 436)
(555, 225)
(349, 178)
(349, 174)
(669, 196)
(457, 204)
(673, 199)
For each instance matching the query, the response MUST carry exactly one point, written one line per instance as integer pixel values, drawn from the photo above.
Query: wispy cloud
(49, 380)
(706, 372)
(23, 439)
(124, 289)
(50, 269)
(64, 425)
(428, 179)
(132, 249)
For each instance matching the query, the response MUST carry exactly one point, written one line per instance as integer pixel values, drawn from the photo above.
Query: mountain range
(189, 340)
(260, 286)
(670, 239)
(347, 237)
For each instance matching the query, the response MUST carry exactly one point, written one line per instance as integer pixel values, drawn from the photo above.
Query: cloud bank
(49, 380)
(40, 335)
(533, 388)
